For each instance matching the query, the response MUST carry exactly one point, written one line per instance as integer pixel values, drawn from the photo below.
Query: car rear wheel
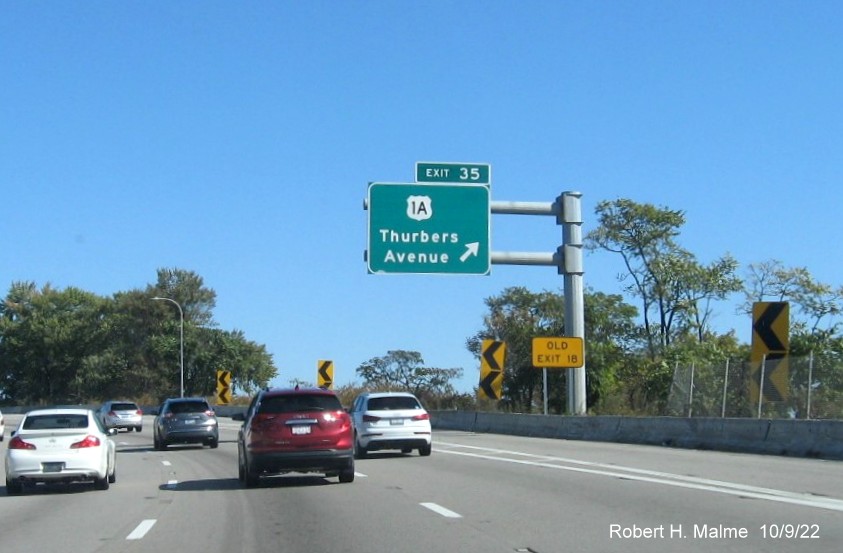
(102, 483)
(245, 474)
(359, 450)
(112, 478)
(424, 450)
(13, 487)
(347, 474)
(138, 428)
(252, 479)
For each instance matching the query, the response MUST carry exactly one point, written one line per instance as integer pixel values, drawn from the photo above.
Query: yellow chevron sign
(223, 387)
(325, 374)
(770, 344)
(492, 358)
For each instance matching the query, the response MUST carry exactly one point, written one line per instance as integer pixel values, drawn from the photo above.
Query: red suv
(295, 430)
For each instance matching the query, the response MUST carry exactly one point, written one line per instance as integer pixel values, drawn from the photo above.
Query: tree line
(74, 347)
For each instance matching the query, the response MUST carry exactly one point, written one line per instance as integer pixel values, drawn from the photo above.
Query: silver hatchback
(121, 414)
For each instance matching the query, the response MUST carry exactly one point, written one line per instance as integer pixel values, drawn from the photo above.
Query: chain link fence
(794, 387)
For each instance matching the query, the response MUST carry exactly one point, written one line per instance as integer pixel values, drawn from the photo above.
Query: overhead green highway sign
(428, 228)
(456, 173)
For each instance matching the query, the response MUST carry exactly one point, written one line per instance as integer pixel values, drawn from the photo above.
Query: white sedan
(390, 420)
(60, 445)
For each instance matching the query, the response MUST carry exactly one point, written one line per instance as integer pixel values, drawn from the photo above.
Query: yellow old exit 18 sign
(558, 352)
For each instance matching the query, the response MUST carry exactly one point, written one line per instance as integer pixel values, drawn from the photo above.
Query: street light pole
(181, 340)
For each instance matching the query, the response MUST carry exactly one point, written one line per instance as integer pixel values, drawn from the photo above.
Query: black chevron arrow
(764, 326)
(772, 363)
(223, 379)
(489, 356)
(486, 384)
(223, 397)
(323, 372)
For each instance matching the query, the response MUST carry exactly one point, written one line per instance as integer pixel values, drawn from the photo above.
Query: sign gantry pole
(572, 270)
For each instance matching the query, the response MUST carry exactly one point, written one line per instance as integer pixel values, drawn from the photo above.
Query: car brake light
(370, 418)
(261, 422)
(338, 416)
(89, 441)
(17, 443)
(112, 414)
(422, 417)
(140, 411)
(209, 413)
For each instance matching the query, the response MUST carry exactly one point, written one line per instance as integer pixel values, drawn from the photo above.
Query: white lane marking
(441, 510)
(141, 529)
(654, 477)
(361, 475)
(166, 463)
(172, 483)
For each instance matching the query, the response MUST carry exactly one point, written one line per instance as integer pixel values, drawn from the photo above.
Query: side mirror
(112, 431)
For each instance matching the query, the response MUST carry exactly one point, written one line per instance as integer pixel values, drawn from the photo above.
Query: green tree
(405, 370)
(669, 281)
(644, 236)
(196, 303)
(612, 338)
(46, 335)
(250, 364)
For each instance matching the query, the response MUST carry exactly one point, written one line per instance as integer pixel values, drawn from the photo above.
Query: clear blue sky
(236, 140)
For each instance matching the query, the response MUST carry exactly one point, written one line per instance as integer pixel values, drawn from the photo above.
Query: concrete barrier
(797, 438)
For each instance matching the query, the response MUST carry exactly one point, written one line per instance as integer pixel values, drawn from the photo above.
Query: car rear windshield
(298, 403)
(55, 422)
(394, 402)
(189, 407)
(124, 407)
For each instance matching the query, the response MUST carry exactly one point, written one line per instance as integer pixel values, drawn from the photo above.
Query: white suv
(390, 420)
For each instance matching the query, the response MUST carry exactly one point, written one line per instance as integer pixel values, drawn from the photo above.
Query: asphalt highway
(475, 493)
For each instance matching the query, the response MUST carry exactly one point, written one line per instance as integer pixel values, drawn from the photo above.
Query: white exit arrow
(471, 248)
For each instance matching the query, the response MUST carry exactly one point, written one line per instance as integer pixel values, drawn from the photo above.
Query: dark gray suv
(185, 420)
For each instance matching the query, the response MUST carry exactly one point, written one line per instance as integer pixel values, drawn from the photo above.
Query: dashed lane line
(441, 510)
(140, 531)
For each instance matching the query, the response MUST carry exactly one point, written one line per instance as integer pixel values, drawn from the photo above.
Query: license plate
(300, 430)
(52, 467)
(190, 421)
(397, 422)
